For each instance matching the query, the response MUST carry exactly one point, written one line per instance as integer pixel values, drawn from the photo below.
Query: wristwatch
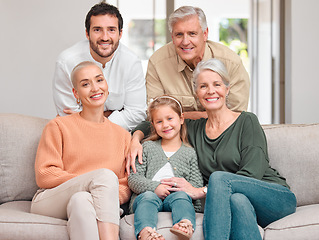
(205, 190)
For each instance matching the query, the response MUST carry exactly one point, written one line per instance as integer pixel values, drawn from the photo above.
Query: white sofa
(293, 151)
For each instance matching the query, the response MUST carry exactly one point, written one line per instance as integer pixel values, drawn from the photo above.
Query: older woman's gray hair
(214, 65)
(186, 11)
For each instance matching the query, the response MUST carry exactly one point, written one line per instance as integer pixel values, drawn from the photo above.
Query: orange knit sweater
(71, 146)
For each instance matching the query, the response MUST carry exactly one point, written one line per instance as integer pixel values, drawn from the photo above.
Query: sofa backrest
(294, 152)
(19, 137)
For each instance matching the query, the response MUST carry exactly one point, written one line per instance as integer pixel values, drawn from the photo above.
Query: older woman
(80, 163)
(242, 189)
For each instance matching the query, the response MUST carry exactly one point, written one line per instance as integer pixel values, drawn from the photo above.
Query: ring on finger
(175, 184)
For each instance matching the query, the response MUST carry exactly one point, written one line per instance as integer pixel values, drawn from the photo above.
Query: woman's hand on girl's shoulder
(136, 150)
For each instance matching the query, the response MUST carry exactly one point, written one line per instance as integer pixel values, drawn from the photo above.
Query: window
(246, 26)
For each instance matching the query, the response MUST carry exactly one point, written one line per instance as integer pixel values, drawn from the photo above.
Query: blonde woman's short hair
(80, 66)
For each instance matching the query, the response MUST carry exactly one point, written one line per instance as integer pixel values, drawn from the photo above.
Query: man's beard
(96, 49)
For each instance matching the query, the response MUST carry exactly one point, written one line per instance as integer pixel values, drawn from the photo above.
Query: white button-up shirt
(125, 78)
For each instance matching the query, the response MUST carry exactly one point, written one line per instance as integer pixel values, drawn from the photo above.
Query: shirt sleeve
(254, 158)
(239, 88)
(134, 109)
(144, 127)
(153, 84)
(49, 164)
(62, 91)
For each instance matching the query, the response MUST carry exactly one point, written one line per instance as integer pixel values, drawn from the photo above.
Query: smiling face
(90, 86)
(189, 40)
(104, 37)
(166, 122)
(211, 90)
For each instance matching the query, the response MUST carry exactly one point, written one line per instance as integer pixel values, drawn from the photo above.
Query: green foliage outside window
(233, 33)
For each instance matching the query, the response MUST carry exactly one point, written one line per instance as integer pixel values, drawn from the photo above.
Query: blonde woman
(80, 163)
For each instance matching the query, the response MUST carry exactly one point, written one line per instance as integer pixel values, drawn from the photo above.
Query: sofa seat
(16, 222)
(293, 227)
(164, 224)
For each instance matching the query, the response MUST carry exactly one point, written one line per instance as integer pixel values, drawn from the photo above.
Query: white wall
(303, 89)
(33, 33)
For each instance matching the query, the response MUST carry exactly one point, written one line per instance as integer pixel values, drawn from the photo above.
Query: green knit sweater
(184, 164)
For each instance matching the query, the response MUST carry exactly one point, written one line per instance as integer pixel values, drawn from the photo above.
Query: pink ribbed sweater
(71, 146)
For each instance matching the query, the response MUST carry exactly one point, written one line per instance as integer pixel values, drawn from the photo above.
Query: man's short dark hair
(103, 9)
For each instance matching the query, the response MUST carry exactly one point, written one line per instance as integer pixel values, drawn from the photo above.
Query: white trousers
(82, 201)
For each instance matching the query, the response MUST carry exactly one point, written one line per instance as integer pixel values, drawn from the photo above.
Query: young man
(170, 68)
(126, 103)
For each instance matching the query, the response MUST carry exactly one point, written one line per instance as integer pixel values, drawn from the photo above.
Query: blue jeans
(148, 204)
(235, 204)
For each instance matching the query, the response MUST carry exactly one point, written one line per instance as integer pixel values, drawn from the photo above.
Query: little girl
(166, 154)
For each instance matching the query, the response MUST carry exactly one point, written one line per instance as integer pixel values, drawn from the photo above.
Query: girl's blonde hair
(166, 100)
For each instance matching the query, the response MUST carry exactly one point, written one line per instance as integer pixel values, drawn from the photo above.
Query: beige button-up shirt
(167, 73)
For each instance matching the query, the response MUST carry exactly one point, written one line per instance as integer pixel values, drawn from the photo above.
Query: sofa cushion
(17, 223)
(294, 152)
(164, 224)
(19, 137)
(294, 226)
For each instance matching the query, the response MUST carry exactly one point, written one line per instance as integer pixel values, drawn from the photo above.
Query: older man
(126, 103)
(170, 68)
